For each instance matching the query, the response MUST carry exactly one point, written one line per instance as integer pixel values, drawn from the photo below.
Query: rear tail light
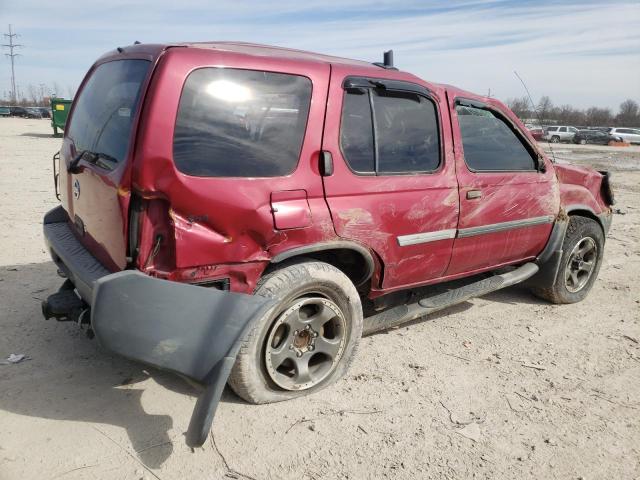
(151, 236)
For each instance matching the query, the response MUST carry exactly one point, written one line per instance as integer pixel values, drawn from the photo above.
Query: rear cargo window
(104, 111)
(241, 123)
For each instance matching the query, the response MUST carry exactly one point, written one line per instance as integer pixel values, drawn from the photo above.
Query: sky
(581, 53)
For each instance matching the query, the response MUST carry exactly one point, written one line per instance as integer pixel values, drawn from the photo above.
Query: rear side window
(356, 131)
(386, 132)
(103, 113)
(240, 123)
(489, 144)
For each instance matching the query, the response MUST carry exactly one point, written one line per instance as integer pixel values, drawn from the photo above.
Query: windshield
(104, 111)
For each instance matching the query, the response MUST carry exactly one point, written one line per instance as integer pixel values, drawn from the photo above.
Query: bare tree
(519, 106)
(33, 94)
(545, 106)
(57, 90)
(598, 117)
(629, 114)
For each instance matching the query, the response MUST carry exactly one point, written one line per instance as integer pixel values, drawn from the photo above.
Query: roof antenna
(535, 110)
(387, 61)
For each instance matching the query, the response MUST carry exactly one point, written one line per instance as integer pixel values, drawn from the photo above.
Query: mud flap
(193, 331)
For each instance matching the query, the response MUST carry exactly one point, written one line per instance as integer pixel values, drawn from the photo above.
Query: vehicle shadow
(37, 135)
(70, 377)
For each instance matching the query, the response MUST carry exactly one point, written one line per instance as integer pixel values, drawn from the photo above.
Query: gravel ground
(504, 386)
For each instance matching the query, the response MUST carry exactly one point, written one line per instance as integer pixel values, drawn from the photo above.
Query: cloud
(585, 53)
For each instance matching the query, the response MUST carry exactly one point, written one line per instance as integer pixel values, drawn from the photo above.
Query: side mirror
(542, 166)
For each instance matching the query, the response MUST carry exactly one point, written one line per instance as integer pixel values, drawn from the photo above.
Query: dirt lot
(505, 386)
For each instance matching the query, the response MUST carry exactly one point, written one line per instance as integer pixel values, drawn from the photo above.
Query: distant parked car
(46, 113)
(595, 136)
(18, 112)
(33, 112)
(5, 112)
(536, 132)
(561, 133)
(631, 135)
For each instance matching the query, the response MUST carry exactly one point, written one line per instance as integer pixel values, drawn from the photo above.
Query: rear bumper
(190, 330)
(71, 257)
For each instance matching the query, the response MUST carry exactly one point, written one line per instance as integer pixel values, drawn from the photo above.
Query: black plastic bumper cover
(70, 256)
(190, 330)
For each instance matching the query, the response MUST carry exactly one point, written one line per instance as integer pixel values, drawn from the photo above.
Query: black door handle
(326, 163)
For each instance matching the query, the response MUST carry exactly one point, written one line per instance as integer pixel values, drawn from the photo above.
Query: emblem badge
(76, 189)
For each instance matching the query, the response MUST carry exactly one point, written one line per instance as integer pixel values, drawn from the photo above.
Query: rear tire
(582, 252)
(583, 142)
(307, 341)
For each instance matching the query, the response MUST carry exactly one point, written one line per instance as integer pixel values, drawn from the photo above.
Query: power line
(11, 46)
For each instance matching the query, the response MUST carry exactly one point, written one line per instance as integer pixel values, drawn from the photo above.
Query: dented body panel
(139, 241)
(382, 211)
(200, 229)
(495, 198)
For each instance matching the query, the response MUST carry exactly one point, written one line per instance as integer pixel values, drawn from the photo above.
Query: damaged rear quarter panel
(228, 221)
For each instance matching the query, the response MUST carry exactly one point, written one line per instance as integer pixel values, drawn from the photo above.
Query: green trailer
(59, 112)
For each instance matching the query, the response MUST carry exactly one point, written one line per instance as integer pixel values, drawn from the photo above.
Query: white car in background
(560, 133)
(631, 135)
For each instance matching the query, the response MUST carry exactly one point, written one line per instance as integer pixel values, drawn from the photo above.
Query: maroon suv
(229, 211)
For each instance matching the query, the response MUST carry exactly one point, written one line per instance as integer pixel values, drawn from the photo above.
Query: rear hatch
(95, 158)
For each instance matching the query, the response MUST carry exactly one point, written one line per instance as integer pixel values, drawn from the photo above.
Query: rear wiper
(102, 160)
(105, 161)
(87, 155)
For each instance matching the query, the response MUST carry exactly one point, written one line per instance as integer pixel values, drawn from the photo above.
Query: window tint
(406, 132)
(241, 123)
(562, 129)
(552, 129)
(104, 111)
(356, 131)
(489, 143)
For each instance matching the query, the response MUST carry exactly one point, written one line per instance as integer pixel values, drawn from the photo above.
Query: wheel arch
(581, 210)
(353, 259)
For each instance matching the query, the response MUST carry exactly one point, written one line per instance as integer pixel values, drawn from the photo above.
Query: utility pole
(11, 46)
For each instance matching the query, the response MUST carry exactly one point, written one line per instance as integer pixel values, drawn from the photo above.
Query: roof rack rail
(387, 61)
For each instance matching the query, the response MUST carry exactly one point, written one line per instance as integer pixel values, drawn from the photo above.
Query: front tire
(307, 341)
(583, 142)
(555, 139)
(582, 252)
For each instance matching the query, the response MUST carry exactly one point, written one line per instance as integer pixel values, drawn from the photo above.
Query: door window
(389, 132)
(356, 131)
(489, 143)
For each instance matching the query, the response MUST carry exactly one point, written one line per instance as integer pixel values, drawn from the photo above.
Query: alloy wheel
(580, 264)
(305, 343)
